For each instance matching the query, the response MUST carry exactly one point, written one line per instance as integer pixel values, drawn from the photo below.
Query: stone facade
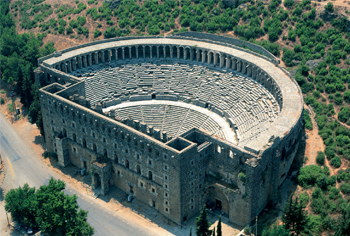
(176, 175)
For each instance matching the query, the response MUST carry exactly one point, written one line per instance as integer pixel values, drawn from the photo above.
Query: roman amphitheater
(176, 122)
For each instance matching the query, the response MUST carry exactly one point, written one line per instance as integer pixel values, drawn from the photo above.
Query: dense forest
(18, 59)
(315, 49)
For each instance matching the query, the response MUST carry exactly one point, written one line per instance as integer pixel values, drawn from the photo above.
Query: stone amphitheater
(176, 122)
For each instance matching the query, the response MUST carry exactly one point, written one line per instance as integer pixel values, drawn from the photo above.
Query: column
(171, 52)
(130, 56)
(249, 70)
(191, 54)
(137, 52)
(239, 65)
(96, 58)
(85, 63)
(150, 51)
(116, 54)
(178, 52)
(58, 67)
(64, 67)
(198, 55)
(74, 63)
(185, 53)
(253, 72)
(234, 63)
(215, 59)
(103, 57)
(144, 52)
(164, 51)
(80, 63)
(209, 57)
(228, 62)
(244, 68)
(90, 60)
(69, 66)
(222, 60)
(157, 52)
(258, 75)
(203, 56)
(109, 55)
(123, 53)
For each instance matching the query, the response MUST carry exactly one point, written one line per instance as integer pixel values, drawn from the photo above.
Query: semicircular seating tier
(249, 105)
(255, 97)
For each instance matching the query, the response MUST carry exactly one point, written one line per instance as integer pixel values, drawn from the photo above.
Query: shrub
(336, 162)
(111, 32)
(242, 176)
(2, 101)
(345, 188)
(97, 33)
(248, 230)
(320, 158)
(304, 199)
(308, 175)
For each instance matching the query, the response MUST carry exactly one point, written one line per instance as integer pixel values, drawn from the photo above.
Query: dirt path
(314, 142)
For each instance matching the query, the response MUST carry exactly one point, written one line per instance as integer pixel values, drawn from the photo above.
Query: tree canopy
(49, 209)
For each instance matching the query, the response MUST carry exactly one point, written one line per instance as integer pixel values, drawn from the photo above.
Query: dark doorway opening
(131, 189)
(153, 96)
(218, 204)
(84, 165)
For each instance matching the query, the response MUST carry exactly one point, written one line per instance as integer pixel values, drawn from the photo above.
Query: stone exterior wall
(174, 176)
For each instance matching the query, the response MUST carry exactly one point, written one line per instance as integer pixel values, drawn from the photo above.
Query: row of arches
(201, 55)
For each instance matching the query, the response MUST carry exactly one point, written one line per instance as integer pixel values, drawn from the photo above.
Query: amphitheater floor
(225, 127)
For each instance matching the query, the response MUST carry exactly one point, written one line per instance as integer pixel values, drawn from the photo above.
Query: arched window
(150, 176)
(74, 137)
(84, 142)
(138, 169)
(104, 152)
(127, 164)
(94, 148)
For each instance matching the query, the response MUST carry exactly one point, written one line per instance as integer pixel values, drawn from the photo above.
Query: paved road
(23, 166)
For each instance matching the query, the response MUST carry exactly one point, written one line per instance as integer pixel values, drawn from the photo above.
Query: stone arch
(154, 51)
(167, 51)
(283, 155)
(106, 55)
(138, 169)
(84, 143)
(133, 51)
(105, 154)
(210, 57)
(96, 180)
(150, 175)
(161, 51)
(217, 198)
(187, 53)
(181, 52)
(148, 51)
(119, 52)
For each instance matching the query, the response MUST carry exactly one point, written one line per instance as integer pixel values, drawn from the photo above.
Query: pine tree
(294, 215)
(191, 231)
(202, 224)
(218, 232)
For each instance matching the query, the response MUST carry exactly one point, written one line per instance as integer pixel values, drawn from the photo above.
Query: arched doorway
(97, 181)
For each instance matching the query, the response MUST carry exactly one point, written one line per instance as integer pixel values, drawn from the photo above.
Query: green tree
(202, 224)
(59, 213)
(343, 222)
(219, 230)
(276, 230)
(22, 204)
(213, 232)
(49, 208)
(294, 215)
(329, 7)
